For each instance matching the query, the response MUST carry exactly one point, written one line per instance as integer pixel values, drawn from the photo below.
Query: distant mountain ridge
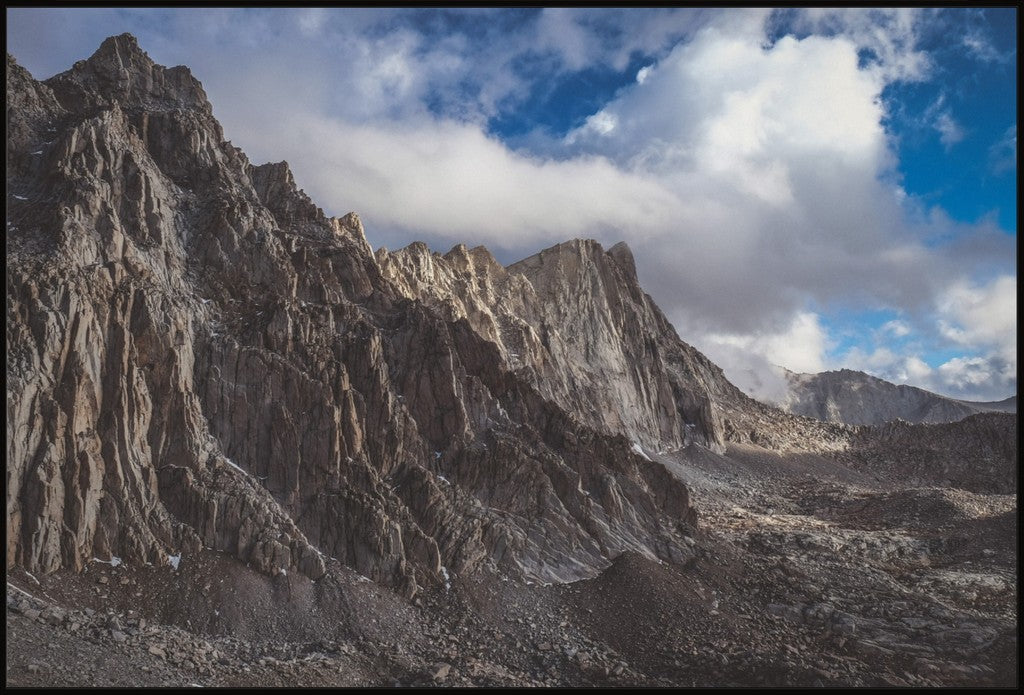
(855, 398)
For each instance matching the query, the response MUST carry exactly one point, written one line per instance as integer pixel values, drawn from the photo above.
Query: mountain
(200, 358)
(856, 398)
(573, 322)
(230, 420)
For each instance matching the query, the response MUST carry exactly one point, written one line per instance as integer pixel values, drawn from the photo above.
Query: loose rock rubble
(794, 582)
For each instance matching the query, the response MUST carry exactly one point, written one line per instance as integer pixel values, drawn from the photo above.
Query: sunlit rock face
(573, 321)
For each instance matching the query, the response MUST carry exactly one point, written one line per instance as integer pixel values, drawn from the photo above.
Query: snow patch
(638, 450)
(437, 455)
(37, 152)
(234, 465)
(443, 479)
(18, 588)
(20, 197)
(174, 561)
(447, 578)
(114, 561)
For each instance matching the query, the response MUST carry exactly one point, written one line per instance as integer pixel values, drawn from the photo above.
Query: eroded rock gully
(226, 414)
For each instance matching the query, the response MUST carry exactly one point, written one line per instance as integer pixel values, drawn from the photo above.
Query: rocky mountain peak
(478, 258)
(201, 360)
(351, 226)
(16, 73)
(623, 255)
(275, 185)
(121, 52)
(31, 106)
(566, 251)
(121, 72)
(582, 265)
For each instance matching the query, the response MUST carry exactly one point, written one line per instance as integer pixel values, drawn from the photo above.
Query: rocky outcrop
(199, 358)
(856, 398)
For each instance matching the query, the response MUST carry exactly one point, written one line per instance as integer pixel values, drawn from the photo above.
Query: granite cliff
(199, 358)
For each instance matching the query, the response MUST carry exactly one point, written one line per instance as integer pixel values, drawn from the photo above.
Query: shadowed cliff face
(199, 358)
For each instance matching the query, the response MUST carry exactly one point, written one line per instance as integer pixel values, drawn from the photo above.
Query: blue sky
(808, 188)
(965, 169)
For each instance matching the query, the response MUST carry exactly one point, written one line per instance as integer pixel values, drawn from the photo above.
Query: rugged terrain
(856, 398)
(245, 449)
(805, 573)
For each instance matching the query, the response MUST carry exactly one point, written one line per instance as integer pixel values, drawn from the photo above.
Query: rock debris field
(795, 581)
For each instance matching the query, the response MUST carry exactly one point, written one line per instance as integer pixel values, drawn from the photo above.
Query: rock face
(573, 321)
(856, 398)
(199, 358)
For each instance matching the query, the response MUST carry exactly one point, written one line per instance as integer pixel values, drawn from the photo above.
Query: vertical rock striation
(573, 322)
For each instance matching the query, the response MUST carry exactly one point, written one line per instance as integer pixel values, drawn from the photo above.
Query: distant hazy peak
(855, 398)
